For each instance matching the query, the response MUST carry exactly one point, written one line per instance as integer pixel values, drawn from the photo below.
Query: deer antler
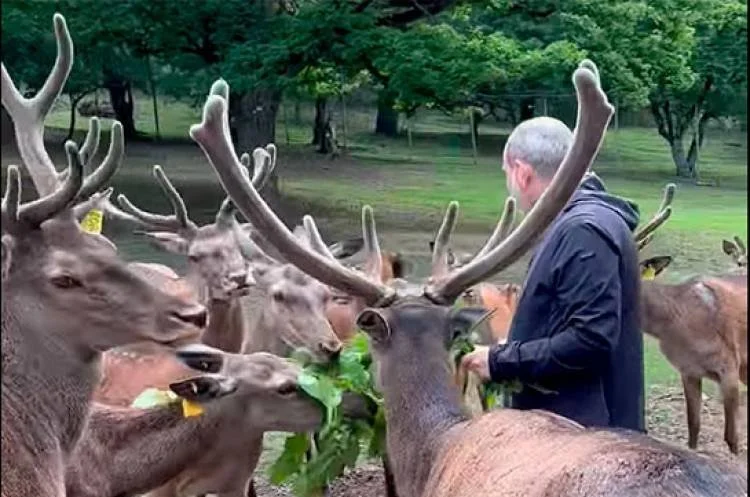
(28, 115)
(594, 113)
(179, 221)
(213, 137)
(644, 235)
(34, 213)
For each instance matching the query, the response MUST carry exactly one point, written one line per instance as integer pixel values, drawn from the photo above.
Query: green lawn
(421, 180)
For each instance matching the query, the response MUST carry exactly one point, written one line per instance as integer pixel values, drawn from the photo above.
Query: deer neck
(45, 380)
(421, 406)
(172, 442)
(226, 325)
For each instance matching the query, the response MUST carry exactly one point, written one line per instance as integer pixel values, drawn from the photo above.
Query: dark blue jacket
(576, 329)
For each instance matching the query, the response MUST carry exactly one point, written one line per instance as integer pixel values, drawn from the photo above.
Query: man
(575, 342)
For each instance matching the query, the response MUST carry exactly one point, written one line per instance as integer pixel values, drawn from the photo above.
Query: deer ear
(729, 248)
(204, 388)
(651, 268)
(201, 357)
(171, 242)
(375, 324)
(346, 248)
(464, 319)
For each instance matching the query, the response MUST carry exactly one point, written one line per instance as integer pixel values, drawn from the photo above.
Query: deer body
(126, 451)
(67, 296)
(437, 452)
(701, 326)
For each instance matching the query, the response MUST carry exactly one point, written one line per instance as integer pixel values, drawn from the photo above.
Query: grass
(438, 168)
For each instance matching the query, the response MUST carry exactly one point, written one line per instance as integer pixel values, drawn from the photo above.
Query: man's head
(532, 154)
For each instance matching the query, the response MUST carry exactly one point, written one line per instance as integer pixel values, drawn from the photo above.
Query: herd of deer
(83, 333)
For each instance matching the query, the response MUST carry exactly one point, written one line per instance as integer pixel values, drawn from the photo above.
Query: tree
(719, 64)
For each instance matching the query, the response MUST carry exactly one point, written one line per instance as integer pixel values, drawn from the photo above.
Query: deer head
(444, 286)
(62, 282)
(270, 381)
(736, 250)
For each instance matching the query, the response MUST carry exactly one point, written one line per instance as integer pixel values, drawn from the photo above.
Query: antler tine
(28, 114)
(261, 172)
(313, 235)
(212, 136)
(12, 198)
(91, 143)
(502, 229)
(109, 166)
(661, 216)
(38, 211)
(740, 245)
(442, 239)
(373, 255)
(594, 114)
(250, 250)
(177, 222)
(645, 241)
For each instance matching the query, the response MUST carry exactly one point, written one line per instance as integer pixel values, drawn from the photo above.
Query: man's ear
(165, 240)
(650, 268)
(204, 388)
(375, 324)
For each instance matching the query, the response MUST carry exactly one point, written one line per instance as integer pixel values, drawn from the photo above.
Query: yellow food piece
(92, 222)
(190, 409)
(152, 397)
(648, 273)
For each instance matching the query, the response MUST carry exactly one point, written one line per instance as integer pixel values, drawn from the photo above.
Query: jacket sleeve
(585, 279)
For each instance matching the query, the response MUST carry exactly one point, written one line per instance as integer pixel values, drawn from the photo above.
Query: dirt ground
(666, 421)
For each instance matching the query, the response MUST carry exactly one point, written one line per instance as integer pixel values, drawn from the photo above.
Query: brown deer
(127, 451)
(436, 451)
(737, 251)
(701, 326)
(66, 297)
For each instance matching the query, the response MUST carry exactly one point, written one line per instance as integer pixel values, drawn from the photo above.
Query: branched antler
(645, 234)
(28, 115)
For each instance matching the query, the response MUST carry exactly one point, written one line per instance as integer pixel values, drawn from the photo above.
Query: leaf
(322, 389)
(291, 459)
(152, 397)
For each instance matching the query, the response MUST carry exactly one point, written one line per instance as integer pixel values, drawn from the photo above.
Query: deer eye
(278, 296)
(194, 258)
(65, 282)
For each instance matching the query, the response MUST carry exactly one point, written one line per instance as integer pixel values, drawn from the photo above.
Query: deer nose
(331, 348)
(197, 316)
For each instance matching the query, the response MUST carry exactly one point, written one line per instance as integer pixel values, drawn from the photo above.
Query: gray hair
(541, 142)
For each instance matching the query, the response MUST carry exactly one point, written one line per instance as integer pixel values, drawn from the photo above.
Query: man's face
(516, 181)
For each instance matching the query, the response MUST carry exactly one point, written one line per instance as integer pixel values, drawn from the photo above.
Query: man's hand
(478, 362)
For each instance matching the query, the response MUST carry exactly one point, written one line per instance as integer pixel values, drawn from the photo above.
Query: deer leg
(730, 392)
(390, 482)
(692, 388)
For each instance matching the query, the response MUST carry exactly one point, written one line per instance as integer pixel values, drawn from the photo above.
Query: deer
(67, 296)
(436, 449)
(701, 327)
(128, 451)
(737, 251)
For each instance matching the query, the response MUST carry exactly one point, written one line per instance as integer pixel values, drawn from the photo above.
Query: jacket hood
(593, 191)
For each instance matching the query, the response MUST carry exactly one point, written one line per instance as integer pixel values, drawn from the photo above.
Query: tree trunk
(253, 124)
(527, 109)
(683, 167)
(72, 124)
(386, 122)
(121, 98)
(321, 118)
